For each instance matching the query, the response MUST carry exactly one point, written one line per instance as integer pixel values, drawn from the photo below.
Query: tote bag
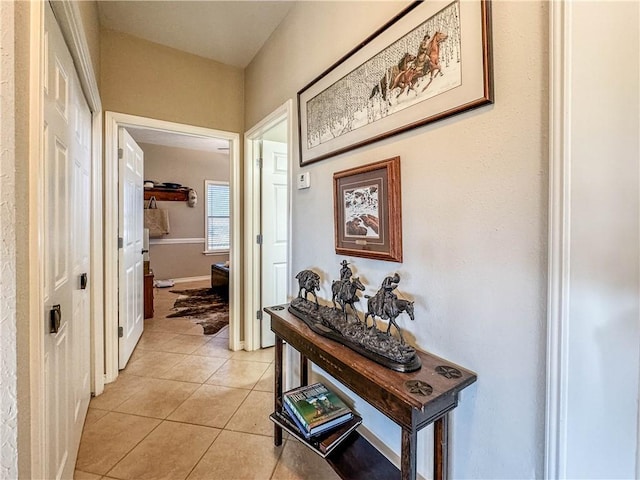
(156, 219)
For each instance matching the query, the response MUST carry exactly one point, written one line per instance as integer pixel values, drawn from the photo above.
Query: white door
(274, 215)
(130, 228)
(66, 207)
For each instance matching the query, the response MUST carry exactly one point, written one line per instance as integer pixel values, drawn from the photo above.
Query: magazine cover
(315, 405)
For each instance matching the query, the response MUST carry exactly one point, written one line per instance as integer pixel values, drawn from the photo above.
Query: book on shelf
(322, 444)
(316, 408)
(317, 430)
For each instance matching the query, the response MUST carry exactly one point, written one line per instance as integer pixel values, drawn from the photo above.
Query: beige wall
(474, 199)
(189, 168)
(91, 24)
(150, 80)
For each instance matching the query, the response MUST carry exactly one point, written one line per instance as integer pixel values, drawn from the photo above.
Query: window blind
(217, 216)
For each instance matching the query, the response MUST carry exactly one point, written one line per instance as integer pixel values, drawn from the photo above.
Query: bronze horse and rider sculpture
(338, 324)
(385, 304)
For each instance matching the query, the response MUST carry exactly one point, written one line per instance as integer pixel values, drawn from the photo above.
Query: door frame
(114, 120)
(70, 21)
(559, 245)
(252, 210)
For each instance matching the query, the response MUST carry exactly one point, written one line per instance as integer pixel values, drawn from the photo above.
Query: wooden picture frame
(433, 60)
(368, 211)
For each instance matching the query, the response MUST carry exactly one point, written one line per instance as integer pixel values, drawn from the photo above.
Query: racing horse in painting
(430, 61)
(427, 62)
(411, 68)
(393, 77)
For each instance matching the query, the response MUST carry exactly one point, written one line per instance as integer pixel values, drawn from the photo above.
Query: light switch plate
(304, 180)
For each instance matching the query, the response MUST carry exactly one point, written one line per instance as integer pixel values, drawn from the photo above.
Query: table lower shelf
(353, 458)
(357, 459)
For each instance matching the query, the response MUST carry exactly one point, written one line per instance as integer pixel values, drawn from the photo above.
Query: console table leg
(304, 370)
(441, 448)
(408, 454)
(277, 378)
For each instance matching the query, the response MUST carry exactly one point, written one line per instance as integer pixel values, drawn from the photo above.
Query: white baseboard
(191, 279)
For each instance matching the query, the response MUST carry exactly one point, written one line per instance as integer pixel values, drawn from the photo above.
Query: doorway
(114, 121)
(267, 222)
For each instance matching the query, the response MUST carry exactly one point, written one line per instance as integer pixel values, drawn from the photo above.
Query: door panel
(80, 254)
(131, 315)
(66, 210)
(275, 231)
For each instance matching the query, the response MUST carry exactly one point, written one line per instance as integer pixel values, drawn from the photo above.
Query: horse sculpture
(345, 292)
(309, 281)
(391, 79)
(387, 310)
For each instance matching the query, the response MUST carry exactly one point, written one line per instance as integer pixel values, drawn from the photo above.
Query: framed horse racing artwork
(368, 211)
(431, 61)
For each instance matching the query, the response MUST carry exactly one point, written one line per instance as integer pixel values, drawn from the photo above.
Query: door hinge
(120, 242)
(259, 162)
(259, 314)
(120, 332)
(259, 239)
(120, 153)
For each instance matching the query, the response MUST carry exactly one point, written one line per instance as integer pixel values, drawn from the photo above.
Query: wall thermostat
(304, 180)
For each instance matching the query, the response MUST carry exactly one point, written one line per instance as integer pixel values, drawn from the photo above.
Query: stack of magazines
(317, 414)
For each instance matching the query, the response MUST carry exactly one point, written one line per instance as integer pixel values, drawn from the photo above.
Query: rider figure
(424, 45)
(423, 51)
(345, 272)
(389, 284)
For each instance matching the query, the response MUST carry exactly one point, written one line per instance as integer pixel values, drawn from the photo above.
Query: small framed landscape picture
(368, 213)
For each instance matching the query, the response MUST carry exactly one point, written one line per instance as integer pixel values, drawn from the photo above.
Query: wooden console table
(148, 295)
(383, 388)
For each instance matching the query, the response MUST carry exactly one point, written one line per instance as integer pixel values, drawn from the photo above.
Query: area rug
(208, 307)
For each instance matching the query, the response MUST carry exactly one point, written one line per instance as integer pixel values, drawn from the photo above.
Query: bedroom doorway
(267, 222)
(114, 121)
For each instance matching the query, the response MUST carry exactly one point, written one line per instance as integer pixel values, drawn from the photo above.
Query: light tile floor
(186, 407)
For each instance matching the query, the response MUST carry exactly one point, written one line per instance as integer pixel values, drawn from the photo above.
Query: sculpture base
(369, 342)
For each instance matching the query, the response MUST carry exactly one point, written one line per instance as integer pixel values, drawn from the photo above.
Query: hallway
(187, 407)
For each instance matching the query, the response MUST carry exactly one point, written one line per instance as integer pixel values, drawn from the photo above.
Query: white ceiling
(179, 140)
(230, 32)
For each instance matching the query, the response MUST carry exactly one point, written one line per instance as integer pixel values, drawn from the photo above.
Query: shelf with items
(167, 194)
(322, 444)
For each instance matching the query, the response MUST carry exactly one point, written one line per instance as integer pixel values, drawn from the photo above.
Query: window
(217, 216)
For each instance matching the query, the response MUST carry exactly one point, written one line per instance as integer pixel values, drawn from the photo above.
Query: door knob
(55, 316)
(83, 281)
(144, 250)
